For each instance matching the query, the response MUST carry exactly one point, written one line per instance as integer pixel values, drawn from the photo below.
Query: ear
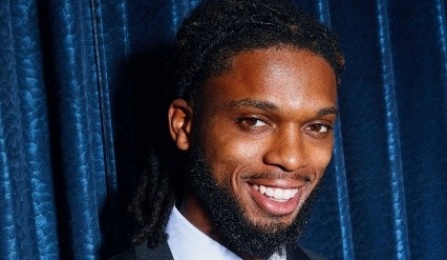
(180, 115)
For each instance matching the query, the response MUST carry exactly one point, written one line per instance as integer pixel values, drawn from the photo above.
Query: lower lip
(273, 207)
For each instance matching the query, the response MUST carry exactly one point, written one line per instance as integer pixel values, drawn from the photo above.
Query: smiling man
(253, 112)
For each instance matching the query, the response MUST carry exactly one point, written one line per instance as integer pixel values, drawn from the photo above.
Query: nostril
(287, 149)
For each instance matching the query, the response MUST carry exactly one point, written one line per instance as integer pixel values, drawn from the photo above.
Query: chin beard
(228, 221)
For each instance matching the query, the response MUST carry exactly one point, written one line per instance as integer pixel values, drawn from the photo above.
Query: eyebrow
(265, 105)
(328, 111)
(248, 102)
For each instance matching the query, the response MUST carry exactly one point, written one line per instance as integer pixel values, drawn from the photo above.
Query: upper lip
(279, 179)
(278, 183)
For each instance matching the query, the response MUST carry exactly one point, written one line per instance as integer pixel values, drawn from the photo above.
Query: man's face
(265, 133)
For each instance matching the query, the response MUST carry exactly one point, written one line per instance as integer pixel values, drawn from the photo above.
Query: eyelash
(255, 120)
(243, 121)
(329, 127)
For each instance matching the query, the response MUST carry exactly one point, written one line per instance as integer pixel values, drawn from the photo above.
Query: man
(255, 104)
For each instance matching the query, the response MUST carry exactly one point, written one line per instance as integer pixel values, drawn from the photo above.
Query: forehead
(280, 75)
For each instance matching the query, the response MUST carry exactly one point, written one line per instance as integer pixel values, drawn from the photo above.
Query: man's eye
(319, 128)
(252, 122)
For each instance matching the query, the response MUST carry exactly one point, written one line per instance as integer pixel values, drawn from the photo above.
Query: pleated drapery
(79, 106)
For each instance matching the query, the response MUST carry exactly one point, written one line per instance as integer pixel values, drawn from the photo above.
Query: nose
(287, 151)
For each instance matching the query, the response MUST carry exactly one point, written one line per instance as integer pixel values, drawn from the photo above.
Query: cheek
(229, 156)
(320, 158)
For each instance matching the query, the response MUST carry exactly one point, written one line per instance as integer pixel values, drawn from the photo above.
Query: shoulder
(296, 252)
(126, 255)
(313, 255)
(142, 252)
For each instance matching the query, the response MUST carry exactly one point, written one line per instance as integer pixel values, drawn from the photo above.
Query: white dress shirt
(186, 242)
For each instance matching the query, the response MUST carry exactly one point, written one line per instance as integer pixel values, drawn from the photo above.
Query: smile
(277, 194)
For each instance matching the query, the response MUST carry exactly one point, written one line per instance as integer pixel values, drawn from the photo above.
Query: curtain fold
(420, 75)
(393, 143)
(80, 87)
(27, 199)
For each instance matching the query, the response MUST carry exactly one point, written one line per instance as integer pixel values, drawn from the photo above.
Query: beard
(233, 229)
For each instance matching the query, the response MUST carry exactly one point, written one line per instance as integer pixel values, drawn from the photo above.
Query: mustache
(304, 176)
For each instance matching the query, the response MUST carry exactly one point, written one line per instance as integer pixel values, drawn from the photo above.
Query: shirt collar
(189, 243)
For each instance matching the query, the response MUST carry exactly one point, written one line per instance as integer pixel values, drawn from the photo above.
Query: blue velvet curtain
(79, 81)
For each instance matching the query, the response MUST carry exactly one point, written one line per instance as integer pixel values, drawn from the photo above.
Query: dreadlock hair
(214, 32)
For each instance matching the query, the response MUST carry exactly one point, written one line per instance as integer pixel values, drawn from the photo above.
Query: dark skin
(266, 132)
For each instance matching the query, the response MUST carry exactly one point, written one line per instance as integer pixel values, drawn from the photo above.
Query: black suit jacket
(162, 252)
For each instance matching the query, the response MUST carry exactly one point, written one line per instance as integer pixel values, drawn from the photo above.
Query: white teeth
(269, 192)
(276, 193)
